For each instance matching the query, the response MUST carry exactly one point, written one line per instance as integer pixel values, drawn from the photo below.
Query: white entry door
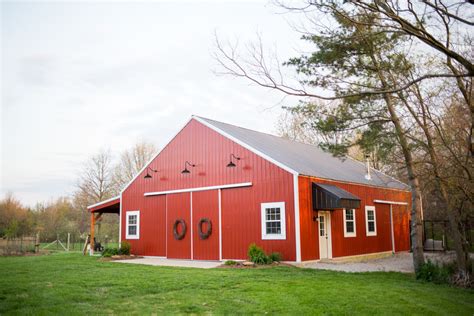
(325, 251)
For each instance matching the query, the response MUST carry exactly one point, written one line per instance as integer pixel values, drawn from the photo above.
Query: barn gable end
(240, 207)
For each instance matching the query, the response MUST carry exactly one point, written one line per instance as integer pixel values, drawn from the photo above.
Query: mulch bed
(249, 265)
(120, 257)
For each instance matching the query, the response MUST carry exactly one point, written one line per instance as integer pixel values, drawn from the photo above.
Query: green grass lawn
(69, 283)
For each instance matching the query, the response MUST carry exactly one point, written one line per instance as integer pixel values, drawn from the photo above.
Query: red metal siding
(178, 207)
(241, 218)
(152, 227)
(240, 206)
(308, 227)
(206, 205)
(361, 244)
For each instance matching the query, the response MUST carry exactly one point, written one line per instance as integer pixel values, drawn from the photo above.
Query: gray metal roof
(307, 159)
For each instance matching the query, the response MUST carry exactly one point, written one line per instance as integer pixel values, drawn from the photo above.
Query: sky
(78, 77)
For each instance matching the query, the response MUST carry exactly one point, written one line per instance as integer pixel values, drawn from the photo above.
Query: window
(133, 225)
(370, 221)
(273, 220)
(349, 223)
(322, 231)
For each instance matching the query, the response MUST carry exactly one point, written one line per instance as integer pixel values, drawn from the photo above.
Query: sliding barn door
(205, 206)
(178, 208)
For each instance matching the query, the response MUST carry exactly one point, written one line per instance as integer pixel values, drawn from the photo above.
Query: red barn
(215, 188)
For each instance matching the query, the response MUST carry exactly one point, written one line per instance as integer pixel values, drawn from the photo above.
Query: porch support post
(91, 242)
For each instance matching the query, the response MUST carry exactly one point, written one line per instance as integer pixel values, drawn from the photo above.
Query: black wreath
(205, 235)
(175, 229)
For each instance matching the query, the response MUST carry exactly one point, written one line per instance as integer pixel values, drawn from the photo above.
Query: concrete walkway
(154, 261)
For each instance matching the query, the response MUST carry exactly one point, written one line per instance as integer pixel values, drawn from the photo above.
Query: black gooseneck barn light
(148, 175)
(231, 164)
(186, 167)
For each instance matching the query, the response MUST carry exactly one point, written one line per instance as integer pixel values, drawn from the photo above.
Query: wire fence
(19, 245)
(62, 242)
(73, 242)
(437, 235)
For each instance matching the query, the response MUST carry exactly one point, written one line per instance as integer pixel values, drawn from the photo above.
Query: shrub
(432, 272)
(257, 255)
(275, 257)
(230, 263)
(109, 252)
(125, 248)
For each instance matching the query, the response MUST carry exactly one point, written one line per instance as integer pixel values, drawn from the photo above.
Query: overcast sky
(78, 77)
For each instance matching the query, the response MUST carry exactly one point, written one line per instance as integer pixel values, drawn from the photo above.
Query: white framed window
(273, 221)
(370, 221)
(132, 225)
(349, 223)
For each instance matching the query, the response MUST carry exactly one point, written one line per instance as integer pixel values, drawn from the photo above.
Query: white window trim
(128, 214)
(282, 235)
(346, 234)
(367, 209)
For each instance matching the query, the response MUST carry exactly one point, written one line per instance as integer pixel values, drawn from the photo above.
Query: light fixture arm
(188, 163)
(148, 176)
(232, 155)
(150, 168)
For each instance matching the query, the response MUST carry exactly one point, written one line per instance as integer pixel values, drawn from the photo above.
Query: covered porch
(110, 206)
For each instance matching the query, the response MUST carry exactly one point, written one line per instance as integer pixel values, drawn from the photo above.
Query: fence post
(424, 234)
(432, 234)
(37, 242)
(21, 244)
(68, 240)
(57, 241)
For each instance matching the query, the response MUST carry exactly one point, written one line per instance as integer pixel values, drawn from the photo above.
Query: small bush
(275, 257)
(125, 248)
(109, 252)
(230, 263)
(432, 272)
(257, 255)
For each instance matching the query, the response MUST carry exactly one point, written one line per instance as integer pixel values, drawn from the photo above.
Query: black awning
(329, 197)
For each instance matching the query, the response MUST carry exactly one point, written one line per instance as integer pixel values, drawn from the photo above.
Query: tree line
(100, 178)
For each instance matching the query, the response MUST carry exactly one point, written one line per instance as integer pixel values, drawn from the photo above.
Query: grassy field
(68, 283)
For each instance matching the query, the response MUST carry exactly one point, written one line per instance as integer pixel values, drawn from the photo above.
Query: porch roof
(327, 197)
(111, 205)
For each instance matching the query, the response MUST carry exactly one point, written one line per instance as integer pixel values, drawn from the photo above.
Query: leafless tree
(132, 161)
(95, 181)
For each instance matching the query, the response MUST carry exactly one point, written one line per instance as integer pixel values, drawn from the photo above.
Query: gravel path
(400, 262)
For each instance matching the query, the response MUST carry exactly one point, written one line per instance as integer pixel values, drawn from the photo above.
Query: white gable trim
(154, 157)
(245, 145)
